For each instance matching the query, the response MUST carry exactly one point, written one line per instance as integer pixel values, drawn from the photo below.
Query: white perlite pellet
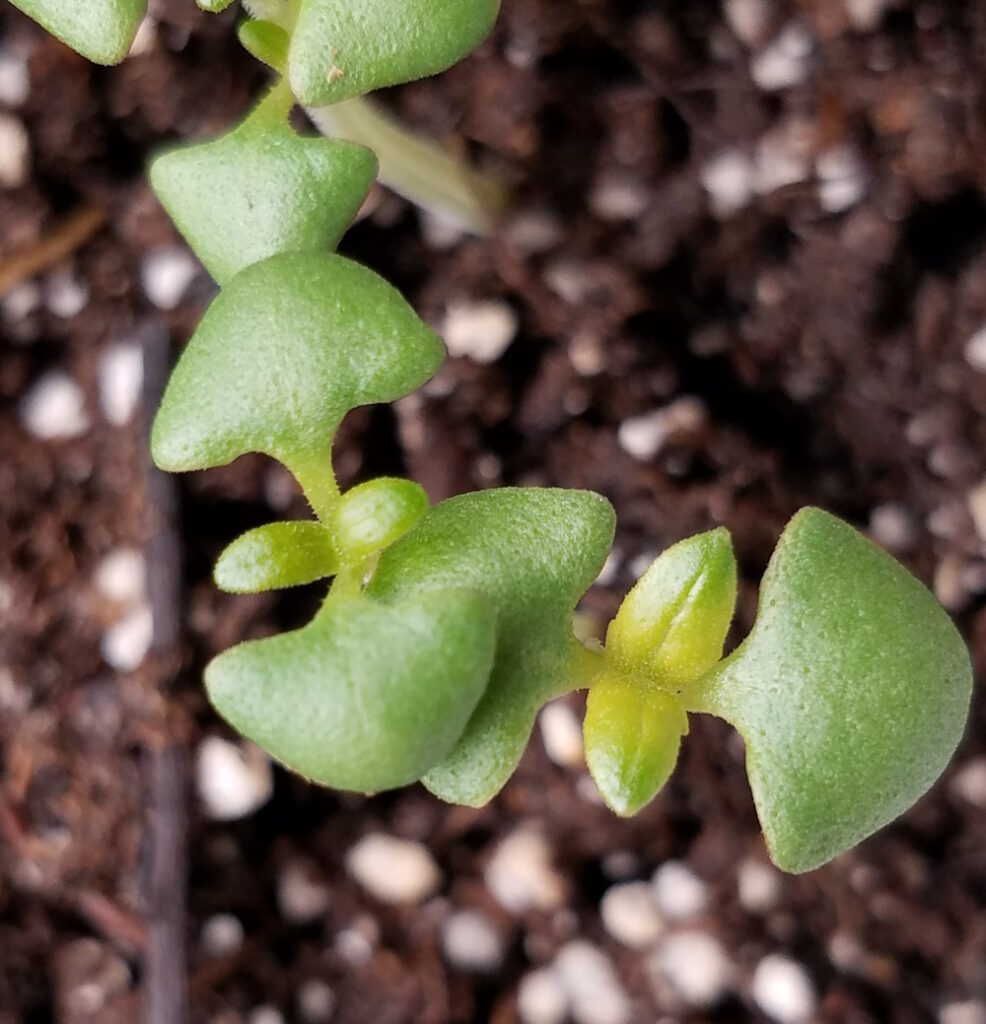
(561, 733)
(971, 1011)
(222, 935)
(783, 990)
(15, 152)
(976, 502)
(749, 19)
(265, 1015)
(302, 896)
(166, 274)
(54, 409)
(728, 178)
(594, 990)
(15, 82)
(842, 178)
(472, 943)
(520, 874)
(786, 60)
(541, 998)
(393, 870)
(121, 376)
(233, 779)
(759, 886)
(65, 295)
(678, 892)
(644, 436)
(893, 527)
(629, 915)
(481, 331)
(316, 1002)
(696, 967)
(126, 643)
(121, 576)
(975, 351)
(969, 782)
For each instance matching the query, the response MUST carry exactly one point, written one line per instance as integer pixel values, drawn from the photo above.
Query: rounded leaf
(266, 41)
(277, 555)
(341, 49)
(632, 737)
(101, 30)
(375, 514)
(366, 697)
(262, 190)
(673, 623)
(532, 553)
(851, 691)
(286, 350)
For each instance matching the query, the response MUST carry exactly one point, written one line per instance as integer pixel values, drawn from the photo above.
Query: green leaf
(341, 49)
(288, 347)
(266, 41)
(101, 30)
(262, 190)
(673, 623)
(632, 736)
(851, 691)
(375, 514)
(366, 697)
(214, 6)
(277, 555)
(532, 553)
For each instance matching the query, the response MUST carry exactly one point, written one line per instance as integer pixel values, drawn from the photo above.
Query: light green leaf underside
(286, 350)
(851, 691)
(341, 49)
(277, 555)
(532, 553)
(632, 737)
(101, 30)
(672, 625)
(262, 190)
(366, 697)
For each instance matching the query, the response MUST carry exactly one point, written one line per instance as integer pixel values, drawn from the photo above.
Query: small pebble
(472, 943)
(121, 376)
(975, 351)
(728, 178)
(54, 409)
(971, 1011)
(678, 892)
(302, 896)
(15, 82)
(786, 60)
(520, 873)
(969, 782)
(643, 437)
(481, 331)
(222, 935)
(759, 886)
(126, 643)
(592, 985)
(121, 576)
(166, 275)
(561, 733)
(65, 295)
(696, 967)
(316, 1002)
(234, 779)
(893, 528)
(783, 990)
(15, 152)
(629, 915)
(393, 870)
(541, 998)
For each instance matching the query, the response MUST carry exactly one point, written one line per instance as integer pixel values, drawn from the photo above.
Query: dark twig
(165, 769)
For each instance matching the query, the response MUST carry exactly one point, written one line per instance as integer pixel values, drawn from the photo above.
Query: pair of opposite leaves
(339, 48)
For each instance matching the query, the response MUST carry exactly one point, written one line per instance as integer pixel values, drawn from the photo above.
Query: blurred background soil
(744, 270)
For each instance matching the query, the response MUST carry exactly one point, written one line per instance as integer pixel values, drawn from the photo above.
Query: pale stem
(318, 482)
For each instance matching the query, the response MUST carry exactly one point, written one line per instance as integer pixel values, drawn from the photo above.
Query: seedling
(446, 629)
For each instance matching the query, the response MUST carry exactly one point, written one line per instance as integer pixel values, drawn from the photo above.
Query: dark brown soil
(828, 350)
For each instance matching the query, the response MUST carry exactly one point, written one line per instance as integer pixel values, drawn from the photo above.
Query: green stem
(584, 667)
(318, 482)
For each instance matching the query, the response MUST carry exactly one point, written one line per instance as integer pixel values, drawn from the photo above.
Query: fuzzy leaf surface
(277, 555)
(288, 347)
(342, 49)
(632, 737)
(367, 696)
(672, 625)
(532, 553)
(262, 190)
(851, 691)
(101, 30)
